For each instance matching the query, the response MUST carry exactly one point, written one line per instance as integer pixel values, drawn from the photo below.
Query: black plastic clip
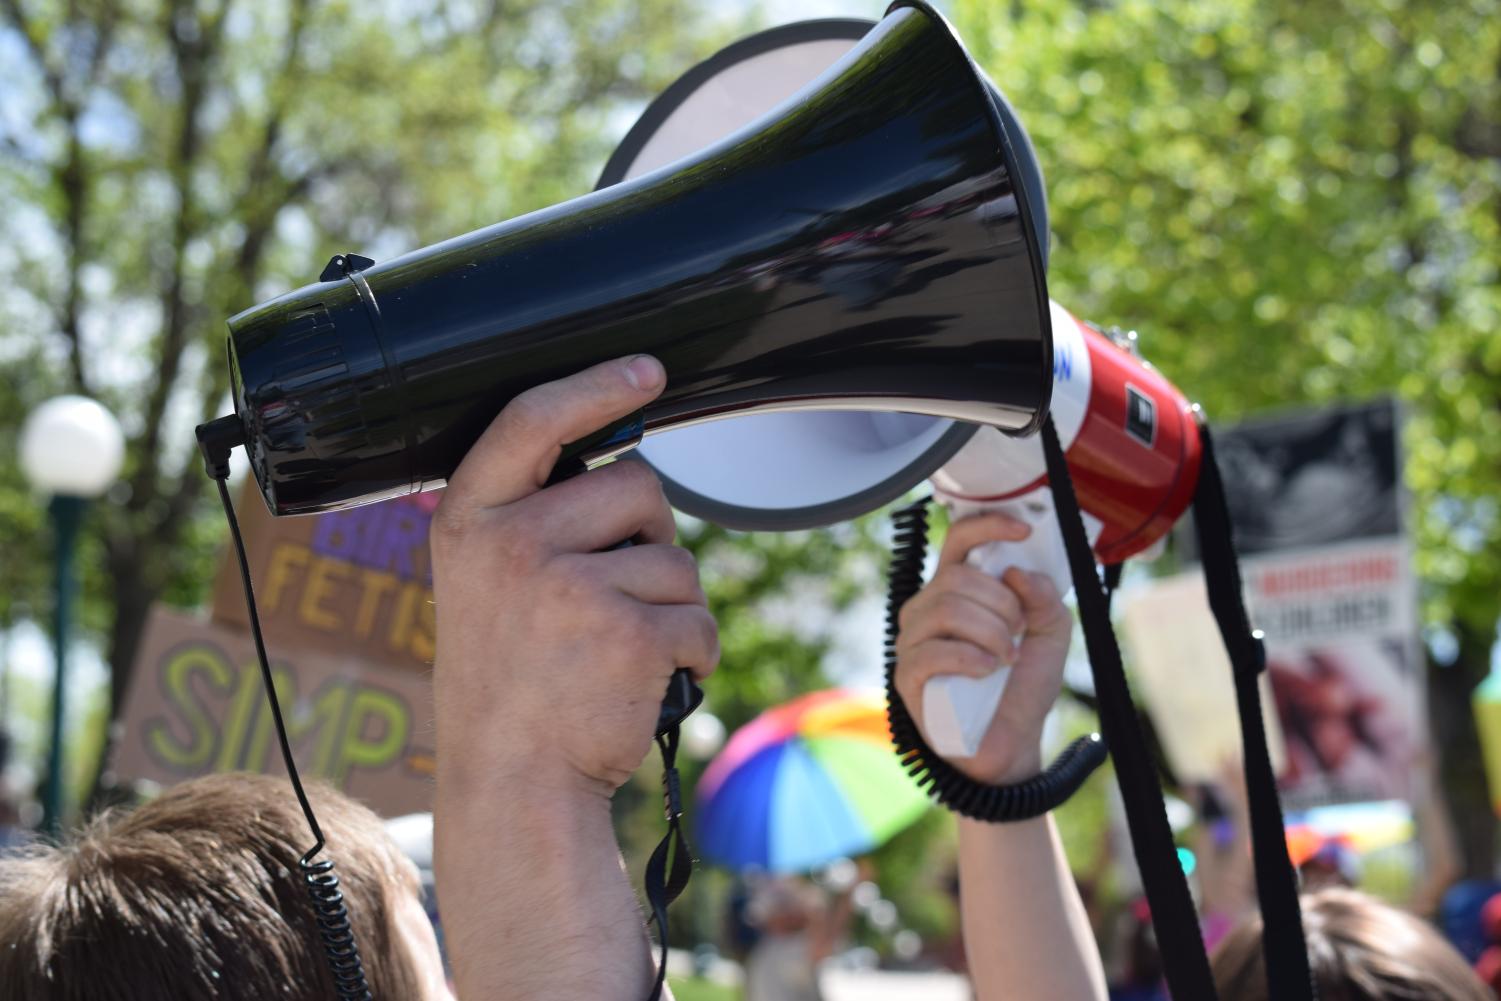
(672, 793)
(1258, 647)
(340, 265)
(216, 439)
(683, 696)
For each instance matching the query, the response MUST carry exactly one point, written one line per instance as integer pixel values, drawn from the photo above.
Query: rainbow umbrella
(805, 783)
(1360, 827)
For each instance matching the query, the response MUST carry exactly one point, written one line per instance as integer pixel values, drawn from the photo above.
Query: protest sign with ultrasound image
(1319, 514)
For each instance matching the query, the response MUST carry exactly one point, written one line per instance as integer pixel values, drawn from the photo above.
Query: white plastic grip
(957, 710)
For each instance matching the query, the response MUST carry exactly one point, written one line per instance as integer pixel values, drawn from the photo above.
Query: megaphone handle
(683, 693)
(951, 787)
(957, 710)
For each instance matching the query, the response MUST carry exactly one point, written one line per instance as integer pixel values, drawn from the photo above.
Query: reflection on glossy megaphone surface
(862, 247)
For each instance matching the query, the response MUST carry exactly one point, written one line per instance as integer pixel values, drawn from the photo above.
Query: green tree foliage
(1296, 203)
(166, 163)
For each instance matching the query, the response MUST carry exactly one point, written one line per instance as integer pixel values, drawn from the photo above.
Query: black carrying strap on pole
(665, 880)
(1283, 946)
(1184, 961)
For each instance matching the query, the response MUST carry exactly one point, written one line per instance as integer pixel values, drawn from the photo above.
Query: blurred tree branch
(68, 87)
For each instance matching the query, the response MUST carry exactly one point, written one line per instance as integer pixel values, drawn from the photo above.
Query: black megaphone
(865, 246)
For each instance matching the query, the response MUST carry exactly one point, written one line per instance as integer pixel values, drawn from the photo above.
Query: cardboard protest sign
(196, 705)
(1179, 665)
(357, 581)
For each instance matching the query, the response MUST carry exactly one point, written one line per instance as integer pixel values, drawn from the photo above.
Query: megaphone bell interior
(864, 247)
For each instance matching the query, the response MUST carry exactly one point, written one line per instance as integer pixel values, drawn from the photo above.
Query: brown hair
(197, 895)
(1360, 950)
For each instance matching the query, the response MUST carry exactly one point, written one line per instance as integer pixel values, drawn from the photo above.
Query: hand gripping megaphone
(1129, 435)
(1123, 455)
(1131, 441)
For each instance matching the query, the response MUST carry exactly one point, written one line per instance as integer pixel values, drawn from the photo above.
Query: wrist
(1020, 767)
(529, 772)
(556, 822)
(528, 868)
(1025, 764)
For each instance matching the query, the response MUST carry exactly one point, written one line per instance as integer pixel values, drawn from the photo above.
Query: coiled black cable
(339, 946)
(944, 782)
(215, 440)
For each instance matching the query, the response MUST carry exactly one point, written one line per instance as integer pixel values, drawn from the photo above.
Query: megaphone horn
(865, 246)
(794, 470)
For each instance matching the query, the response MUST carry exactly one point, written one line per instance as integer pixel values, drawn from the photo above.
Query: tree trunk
(135, 592)
(1461, 765)
(133, 603)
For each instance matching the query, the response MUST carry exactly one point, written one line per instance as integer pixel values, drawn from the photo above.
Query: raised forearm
(535, 901)
(554, 650)
(1025, 931)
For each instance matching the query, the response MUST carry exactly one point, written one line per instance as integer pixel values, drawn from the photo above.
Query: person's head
(1360, 950)
(197, 894)
(1333, 864)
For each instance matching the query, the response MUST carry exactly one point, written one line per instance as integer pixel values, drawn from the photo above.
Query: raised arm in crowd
(1026, 934)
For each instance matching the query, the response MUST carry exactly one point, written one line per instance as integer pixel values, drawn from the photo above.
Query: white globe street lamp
(703, 735)
(71, 448)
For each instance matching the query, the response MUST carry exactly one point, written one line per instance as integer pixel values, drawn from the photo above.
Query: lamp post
(72, 449)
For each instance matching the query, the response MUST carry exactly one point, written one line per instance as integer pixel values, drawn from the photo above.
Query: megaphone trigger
(606, 443)
(1040, 552)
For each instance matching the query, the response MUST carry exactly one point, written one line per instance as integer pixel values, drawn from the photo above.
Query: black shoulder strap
(1173, 916)
(664, 880)
(1285, 950)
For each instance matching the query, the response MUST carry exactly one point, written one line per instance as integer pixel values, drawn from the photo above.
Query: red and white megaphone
(1130, 438)
(1132, 445)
